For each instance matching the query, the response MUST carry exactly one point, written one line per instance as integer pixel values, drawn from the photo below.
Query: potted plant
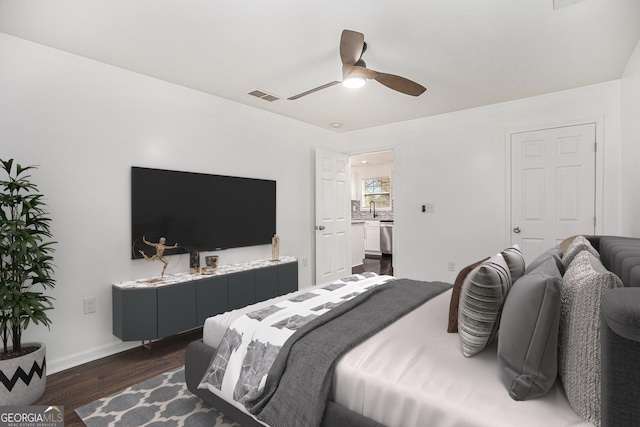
(26, 269)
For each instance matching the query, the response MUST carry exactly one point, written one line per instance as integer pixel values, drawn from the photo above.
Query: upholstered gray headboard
(620, 333)
(620, 255)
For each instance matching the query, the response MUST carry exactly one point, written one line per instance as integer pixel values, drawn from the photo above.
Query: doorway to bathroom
(372, 212)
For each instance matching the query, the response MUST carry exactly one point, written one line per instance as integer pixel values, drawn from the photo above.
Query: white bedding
(215, 326)
(239, 370)
(413, 374)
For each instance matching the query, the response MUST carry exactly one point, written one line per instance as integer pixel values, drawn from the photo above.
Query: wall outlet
(452, 266)
(430, 208)
(89, 305)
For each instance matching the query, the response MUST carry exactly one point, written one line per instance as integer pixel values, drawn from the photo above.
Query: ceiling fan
(355, 71)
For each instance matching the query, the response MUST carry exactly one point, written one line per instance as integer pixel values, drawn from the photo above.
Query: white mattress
(413, 374)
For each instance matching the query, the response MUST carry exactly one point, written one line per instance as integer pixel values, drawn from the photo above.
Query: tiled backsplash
(357, 214)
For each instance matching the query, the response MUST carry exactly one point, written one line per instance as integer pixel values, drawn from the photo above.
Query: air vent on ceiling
(263, 95)
(557, 4)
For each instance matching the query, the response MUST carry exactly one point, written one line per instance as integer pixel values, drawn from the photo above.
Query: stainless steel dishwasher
(386, 237)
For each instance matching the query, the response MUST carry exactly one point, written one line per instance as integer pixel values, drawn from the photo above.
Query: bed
(413, 372)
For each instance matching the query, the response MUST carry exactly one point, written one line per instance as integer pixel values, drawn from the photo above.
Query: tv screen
(199, 211)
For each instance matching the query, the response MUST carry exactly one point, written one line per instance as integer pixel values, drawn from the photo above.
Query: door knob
(320, 227)
(516, 230)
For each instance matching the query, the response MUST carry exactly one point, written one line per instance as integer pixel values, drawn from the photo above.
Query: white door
(553, 184)
(333, 216)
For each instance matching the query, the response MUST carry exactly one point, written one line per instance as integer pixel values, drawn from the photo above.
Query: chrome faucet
(374, 208)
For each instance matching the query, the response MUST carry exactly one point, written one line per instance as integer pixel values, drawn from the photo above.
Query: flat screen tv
(199, 211)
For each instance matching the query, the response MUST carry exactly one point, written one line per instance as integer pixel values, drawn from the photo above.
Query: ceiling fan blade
(400, 84)
(351, 45)
(365, 72)
(315, 89)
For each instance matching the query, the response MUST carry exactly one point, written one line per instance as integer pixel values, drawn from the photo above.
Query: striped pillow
(452, 325)
(481, 299)
(515, 261)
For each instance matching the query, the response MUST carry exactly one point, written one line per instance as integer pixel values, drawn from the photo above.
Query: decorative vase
(24, 378)
(194, 262)
(275, 248)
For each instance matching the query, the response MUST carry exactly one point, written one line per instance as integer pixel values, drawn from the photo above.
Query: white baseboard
(54, 366)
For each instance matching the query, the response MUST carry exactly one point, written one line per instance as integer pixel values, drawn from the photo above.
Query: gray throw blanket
(299, 381)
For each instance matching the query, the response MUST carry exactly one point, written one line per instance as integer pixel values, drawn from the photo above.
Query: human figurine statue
(159, 255)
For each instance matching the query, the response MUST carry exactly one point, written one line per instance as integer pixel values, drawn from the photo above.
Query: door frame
(394, 179)
(599, 164)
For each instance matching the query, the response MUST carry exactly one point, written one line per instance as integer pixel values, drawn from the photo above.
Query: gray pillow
(554, 252)
(578, 245)
(528, 335)
(481, 298)
(515, 261)
(583, 286)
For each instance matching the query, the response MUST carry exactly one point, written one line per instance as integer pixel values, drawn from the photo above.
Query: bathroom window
(377, 190)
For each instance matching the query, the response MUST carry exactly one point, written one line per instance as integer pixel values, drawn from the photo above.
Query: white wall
(86, 123)
(458, 161)
(630, 110)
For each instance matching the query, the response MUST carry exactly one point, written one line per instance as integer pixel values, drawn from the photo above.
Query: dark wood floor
(377, 265)
(83, 384)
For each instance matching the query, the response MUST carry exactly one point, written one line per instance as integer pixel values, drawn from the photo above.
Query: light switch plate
(89, 305)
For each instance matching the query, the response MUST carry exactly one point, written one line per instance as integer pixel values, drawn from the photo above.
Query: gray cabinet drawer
(212, 296)
(176, 309)
(287, 278)
(242, 289)
(135, 314)
(266, 283)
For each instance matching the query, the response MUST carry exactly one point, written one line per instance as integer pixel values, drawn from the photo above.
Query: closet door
(553, 186)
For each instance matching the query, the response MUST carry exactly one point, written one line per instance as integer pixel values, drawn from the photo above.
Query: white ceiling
(467, 53)
(372, 159)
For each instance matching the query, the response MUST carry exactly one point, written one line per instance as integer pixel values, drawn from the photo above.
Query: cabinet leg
(147, 345)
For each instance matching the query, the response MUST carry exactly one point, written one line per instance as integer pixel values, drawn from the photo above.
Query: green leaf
(26, 261)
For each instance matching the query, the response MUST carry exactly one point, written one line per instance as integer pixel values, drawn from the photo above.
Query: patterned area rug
(160, 401)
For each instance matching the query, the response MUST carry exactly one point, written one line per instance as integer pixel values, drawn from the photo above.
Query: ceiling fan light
(354, 82)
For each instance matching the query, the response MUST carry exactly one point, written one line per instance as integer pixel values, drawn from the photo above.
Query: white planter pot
(23, 379)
